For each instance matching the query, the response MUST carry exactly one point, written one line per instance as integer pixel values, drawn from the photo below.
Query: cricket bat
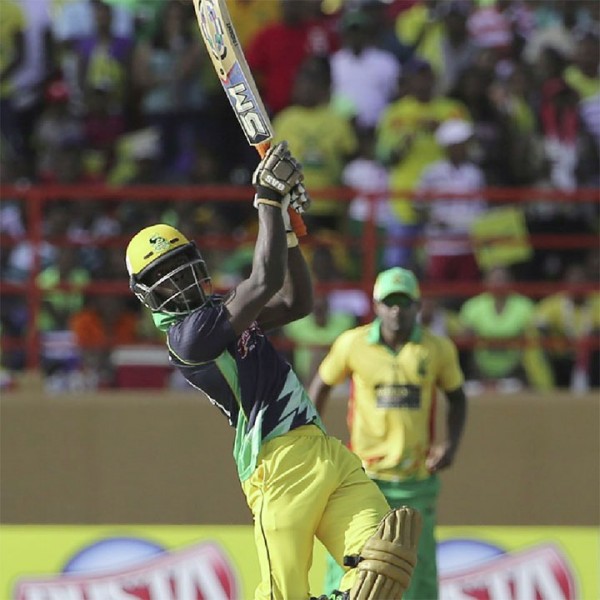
(234, 74)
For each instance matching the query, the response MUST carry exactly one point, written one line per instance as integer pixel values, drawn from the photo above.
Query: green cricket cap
(396, 281)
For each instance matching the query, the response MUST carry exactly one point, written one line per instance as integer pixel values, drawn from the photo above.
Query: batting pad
(388, 558)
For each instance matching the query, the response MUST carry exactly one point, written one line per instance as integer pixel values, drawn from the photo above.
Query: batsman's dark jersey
(244, 376)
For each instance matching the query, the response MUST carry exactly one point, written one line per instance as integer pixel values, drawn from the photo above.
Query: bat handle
(297, 223)
(262, 148)
(296, 220)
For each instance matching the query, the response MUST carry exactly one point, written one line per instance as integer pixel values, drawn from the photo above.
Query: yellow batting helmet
(166, 270)
(151, 244)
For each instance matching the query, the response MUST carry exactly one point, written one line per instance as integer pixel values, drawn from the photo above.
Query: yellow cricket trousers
(308, 484)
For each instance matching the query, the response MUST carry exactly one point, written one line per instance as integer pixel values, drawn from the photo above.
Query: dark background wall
(164, 457)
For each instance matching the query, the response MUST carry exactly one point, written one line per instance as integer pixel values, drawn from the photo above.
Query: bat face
(232, 69)
(230, 64)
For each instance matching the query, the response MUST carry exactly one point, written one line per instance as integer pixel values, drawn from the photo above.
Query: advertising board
(219, 563)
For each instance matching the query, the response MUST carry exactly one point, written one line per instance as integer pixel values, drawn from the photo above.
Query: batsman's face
(177, 281)
(398, 313)
(168, 267)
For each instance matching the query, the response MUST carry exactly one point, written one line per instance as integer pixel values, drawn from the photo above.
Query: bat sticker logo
(213, 30)
(232, 69)
(242, 102)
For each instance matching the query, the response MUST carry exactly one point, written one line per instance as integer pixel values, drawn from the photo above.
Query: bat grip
(296, 220)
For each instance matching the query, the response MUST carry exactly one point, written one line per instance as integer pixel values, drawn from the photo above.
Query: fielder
(299, 482)
(396, 365)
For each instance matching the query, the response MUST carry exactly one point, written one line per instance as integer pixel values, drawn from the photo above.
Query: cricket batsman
(299, 482)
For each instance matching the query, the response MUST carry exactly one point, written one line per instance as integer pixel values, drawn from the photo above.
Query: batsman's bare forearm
(269, 264)
(269, 267)
(295, 299)
(297, 290)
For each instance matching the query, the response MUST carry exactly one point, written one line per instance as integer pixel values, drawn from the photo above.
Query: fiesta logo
(474, 570)
(134, 569)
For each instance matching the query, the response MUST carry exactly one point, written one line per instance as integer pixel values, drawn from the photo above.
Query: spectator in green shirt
(501, 324)
(59, 304)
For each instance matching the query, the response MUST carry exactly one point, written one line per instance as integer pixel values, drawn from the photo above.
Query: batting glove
(299, 199)
(276, 174)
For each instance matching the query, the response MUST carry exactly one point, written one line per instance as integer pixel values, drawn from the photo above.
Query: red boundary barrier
(36, 197)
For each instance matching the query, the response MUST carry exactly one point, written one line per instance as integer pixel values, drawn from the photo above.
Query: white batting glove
(300, 200)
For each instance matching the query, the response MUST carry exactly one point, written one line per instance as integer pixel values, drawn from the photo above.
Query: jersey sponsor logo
(248, 340)
(423, 366)
(471, 569)
(398, 396)
(97, 572)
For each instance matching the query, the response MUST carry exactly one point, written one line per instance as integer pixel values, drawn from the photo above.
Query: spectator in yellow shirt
(566, 320)
(421, 28)
(321, 139)
(437, 32)
(406, 144)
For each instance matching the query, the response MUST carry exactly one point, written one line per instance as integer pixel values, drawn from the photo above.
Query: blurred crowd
(419, 104)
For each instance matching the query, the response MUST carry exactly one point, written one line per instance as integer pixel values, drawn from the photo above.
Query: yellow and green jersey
(242, 375)
(391, 410)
